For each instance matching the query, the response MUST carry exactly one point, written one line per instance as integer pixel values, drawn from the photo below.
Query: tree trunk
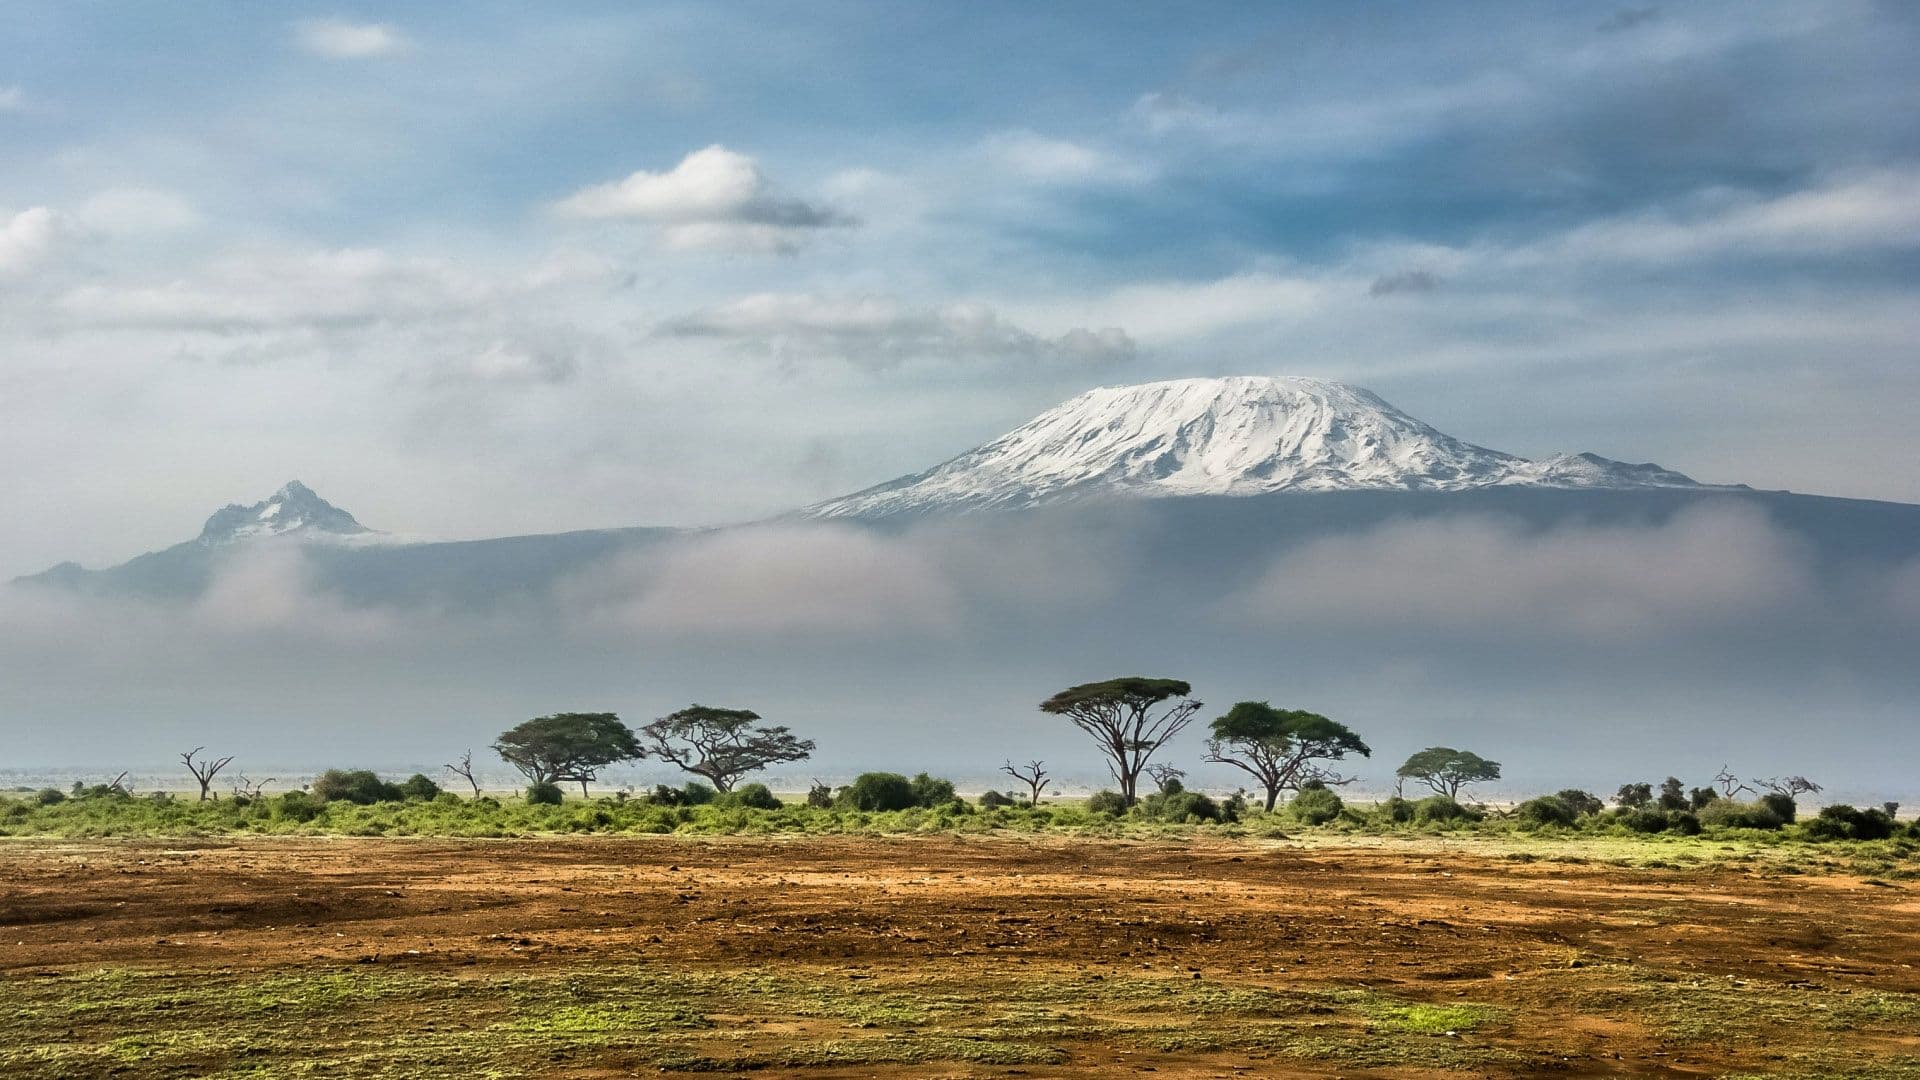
(583, 787)
(1273, 796)
(203, 789)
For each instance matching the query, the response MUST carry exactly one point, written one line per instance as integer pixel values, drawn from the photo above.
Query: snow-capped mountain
(1245, 435)
(293, 510)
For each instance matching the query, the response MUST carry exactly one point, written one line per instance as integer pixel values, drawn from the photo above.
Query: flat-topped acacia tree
(1129, 719)
(1446, 771)
(1282, 748)
(722, 745)
(567, 746)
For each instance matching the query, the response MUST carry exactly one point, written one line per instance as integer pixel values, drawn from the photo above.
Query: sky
(481, 269)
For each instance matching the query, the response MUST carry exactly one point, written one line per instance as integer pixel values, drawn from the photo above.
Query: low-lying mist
(1579, 650)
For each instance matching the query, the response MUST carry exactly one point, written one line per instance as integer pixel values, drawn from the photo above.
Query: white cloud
(819, 581)
(337, 39)
(12, 99)
(137, 211)
(1046, 160)
(1165, 311)
(1875, 210)
(1486, 577)
(26, 238)
(880, 332)
(714, 198)
(258, 290)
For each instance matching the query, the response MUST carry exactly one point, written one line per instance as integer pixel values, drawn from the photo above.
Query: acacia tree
(1129, 719)
(205, 770)
(1033, 774)
(722, 745)
(567, 746)
(1282, 748)
(1446, 770)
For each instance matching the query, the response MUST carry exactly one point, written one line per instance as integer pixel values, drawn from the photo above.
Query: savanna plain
(931, 949)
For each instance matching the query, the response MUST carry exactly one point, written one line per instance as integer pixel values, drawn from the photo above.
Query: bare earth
(939, 955)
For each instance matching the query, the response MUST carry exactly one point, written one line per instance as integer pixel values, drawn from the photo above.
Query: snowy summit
(1243, 435)
(293, 510)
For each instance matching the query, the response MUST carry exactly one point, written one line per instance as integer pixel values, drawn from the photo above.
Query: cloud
(269, 289)
(820, 582)
(881, 333)
(714, 198)
(1057, 161)
(1478, 577)
(337, 39)
(26, 238)
(513, 361)
(1628, 18)
(12, 99)
(1406, 281)
(1880, 209)
(1157, 312)
(133, 211)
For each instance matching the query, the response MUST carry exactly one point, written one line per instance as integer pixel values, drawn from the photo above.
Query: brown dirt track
(1584, 968)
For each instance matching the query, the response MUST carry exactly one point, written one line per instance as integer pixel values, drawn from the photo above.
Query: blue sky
(473, 269)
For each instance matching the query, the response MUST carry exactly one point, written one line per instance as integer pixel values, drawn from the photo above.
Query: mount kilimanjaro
(1234, 436)
(1217, 473)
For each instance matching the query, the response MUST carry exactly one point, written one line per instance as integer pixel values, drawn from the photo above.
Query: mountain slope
(1244, 435)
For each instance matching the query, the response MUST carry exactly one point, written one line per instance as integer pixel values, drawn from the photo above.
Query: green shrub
(1843, 822)
(419, 786)
(295, 806)
(754, 796)
(819, 796)
(930, 791)
(50, 796)
(1582, 803)
(1684, 822)
(1439, 809)
(1179, 806)
(1106, 802)
(1726, 813)
(1397, 810)
(878, 791)
(993, 800)
(1315, 805)
(1545, 810)
(545, 793)
(1782, 805)
(360, 786)
(1643, 819)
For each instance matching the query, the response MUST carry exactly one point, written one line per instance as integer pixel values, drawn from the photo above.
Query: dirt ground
(938, 955)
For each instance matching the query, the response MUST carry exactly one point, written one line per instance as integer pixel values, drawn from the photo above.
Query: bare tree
(1791, 786)
(248, 788)
(464, 770)
(1730, 784)
(1167, 777)
(1033, 774)
(205, 770)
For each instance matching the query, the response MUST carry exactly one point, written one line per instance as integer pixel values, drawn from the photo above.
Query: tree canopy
(1446, 770)
(722, 745)
(1282, 748)
(1128, 718)
(567, 746)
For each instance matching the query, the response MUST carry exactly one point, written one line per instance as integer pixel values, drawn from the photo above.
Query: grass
(642, 1018)
(1893, 862)
(398, 1024)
